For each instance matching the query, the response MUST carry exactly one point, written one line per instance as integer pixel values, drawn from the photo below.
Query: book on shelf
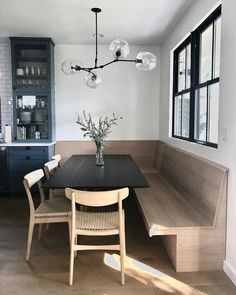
(21, 132)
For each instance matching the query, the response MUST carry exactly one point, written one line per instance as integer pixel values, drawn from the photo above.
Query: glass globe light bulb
(68, 66)
(119, 48)
(92, 80)
(149, 61)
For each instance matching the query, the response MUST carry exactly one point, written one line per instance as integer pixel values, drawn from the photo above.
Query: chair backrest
(50, 168)
(31, 179)
(57, 157)
(97, 199)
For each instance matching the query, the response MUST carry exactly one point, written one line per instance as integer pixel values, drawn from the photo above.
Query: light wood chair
(48, 211)
(50, 168)
(57, 157)
(97, 223)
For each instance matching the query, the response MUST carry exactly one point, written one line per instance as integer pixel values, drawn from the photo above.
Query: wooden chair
(50, 168)
(57, 157)
(97, 223)
(49, 211)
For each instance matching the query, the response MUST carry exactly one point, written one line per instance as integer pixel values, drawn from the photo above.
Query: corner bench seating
(186, 205)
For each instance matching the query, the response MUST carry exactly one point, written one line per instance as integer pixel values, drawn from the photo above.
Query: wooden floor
(148, 267)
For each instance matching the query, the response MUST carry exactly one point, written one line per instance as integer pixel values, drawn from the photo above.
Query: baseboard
(230, 271)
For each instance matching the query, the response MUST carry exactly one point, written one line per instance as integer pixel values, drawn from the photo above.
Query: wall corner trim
(230, 271)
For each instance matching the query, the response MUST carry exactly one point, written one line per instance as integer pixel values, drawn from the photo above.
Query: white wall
(124, 90)
(5, 86)
(226, 152)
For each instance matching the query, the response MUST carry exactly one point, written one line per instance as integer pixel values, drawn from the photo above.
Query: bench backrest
(200, 181)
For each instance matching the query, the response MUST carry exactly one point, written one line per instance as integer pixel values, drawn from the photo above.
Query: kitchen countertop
(15, 144)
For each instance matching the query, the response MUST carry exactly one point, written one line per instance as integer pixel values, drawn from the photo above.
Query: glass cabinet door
(30, 67)
(32, 117)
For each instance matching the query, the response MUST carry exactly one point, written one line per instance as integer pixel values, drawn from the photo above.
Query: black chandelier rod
(78, 68)
(96, 32)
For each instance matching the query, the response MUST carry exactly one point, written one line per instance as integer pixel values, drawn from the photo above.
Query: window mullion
(181, 120)
(213, 50)
(207, 113)
(194, 78)
(175, 90)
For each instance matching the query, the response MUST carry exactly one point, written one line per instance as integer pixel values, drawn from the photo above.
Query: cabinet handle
(27, 157)
(28, 147)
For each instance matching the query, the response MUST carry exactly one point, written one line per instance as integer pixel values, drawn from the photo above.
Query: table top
(80, 171)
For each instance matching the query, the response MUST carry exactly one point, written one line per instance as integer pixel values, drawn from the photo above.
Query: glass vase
(99, 154)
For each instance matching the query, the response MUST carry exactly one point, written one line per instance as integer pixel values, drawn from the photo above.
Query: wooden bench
(186, 205)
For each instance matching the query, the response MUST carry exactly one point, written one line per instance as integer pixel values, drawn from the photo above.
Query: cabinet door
(32, 117)
(30, 67)
(22, 160)
(3, 170)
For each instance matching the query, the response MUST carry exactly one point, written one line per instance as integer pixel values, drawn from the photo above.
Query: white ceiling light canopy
(119, 50)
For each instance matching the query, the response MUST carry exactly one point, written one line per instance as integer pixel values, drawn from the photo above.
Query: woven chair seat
(57, 205)
(97, 221)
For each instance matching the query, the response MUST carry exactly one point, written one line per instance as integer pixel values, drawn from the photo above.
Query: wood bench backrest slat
(200, 181)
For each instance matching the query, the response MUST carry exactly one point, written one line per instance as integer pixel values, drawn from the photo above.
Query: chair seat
(97, 221)
(57, 205)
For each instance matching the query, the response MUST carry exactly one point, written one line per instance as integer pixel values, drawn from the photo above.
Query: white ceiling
(140, 22)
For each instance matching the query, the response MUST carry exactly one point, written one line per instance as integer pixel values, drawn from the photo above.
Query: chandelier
(119, 50)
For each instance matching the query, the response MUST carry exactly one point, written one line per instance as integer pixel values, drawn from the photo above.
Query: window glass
(181, 71)
(206, 54)
(201, 114)
(177, 121)
(188, 66)
(185, 114)
(216, 68)
(213, 114)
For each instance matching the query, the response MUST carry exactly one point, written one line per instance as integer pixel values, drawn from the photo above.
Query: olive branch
(96, 133)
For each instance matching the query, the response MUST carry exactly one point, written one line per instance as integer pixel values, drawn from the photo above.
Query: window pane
(181, 72)
(200, 114)
(177, 119)
(185, 114)
(206, 54)
(188, 67)
(217, 37)
(213, 113)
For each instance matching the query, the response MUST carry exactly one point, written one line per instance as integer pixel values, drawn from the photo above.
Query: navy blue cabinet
(3, 170)
(33, 89)
(24, 159)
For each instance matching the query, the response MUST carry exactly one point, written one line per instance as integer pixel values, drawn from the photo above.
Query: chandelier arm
(131, 60)
(116, 60)
(107, 64)
(88, 70)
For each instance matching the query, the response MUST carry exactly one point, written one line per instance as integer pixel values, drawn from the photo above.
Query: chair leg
(69, 226)
(29, 242)
(40, 231)
(76, 241)
(47, 226)
(122, 254)
(72, 252)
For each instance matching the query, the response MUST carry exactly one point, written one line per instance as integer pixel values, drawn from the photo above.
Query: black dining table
(80, 171)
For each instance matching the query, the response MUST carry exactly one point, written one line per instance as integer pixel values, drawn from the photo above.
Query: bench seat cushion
(165, 210)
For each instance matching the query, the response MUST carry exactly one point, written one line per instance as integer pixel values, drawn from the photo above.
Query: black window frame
(194, 40)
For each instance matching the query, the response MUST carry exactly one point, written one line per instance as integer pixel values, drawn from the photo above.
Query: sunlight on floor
(148, 275)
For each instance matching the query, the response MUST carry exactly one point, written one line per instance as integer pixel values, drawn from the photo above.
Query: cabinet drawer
(26, 164)
(18, 152)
